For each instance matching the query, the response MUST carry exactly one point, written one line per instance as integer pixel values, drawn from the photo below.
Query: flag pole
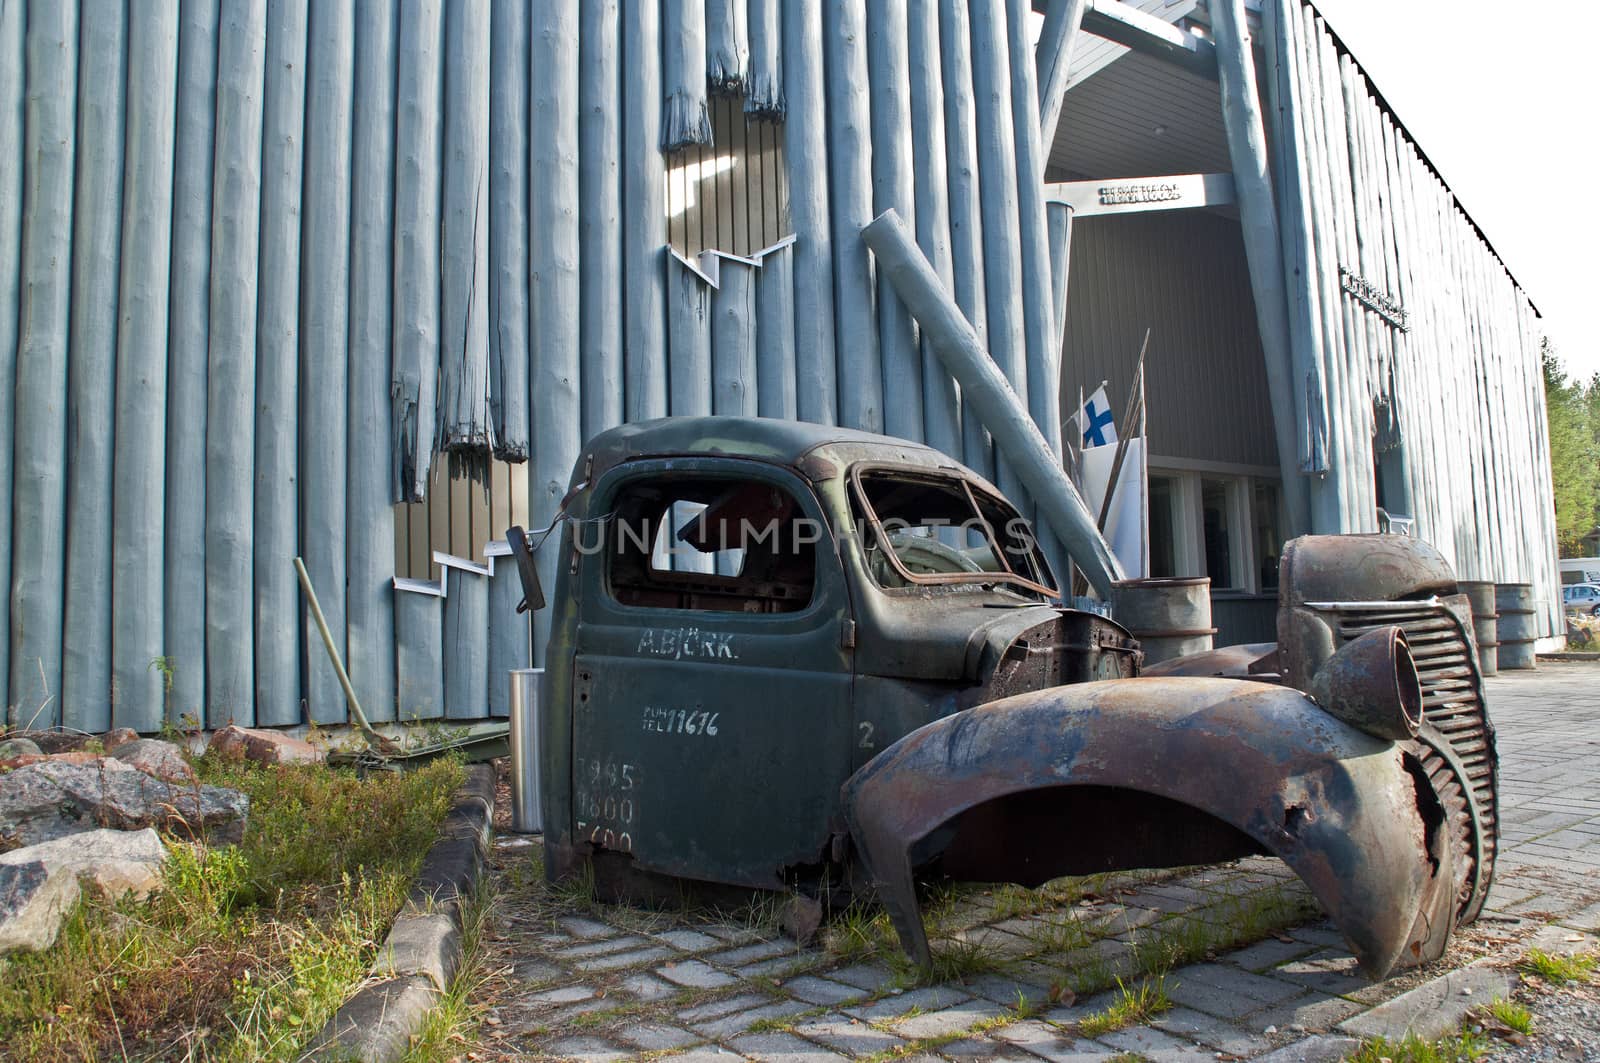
(1135, 407)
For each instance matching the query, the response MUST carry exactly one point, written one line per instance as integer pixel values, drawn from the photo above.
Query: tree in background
(1574, 451)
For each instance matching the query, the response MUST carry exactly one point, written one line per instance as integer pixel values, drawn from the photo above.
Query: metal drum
(1170, 617)
(1485, 622)
(1514, 602)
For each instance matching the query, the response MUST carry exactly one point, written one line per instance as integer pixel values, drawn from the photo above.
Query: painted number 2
(866, 735)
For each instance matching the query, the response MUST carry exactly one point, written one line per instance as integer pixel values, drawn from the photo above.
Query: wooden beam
(990, 397)
(1053, 60)
(1151, 35)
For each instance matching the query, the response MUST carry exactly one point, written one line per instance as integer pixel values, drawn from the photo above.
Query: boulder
(33, 902)
(264, 747)
(12, 748)
(155, 757)
(112, 861)
(52, 799)
(76, 756)
(118, 736)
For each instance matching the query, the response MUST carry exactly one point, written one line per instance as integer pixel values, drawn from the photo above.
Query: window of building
(1217, 524)
(1163, 528)
(1269, 539)
(715, 544)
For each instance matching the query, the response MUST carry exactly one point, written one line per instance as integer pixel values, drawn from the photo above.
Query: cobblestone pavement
(1258, 974)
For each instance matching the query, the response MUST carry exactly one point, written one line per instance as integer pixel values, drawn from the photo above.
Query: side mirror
(532, 591)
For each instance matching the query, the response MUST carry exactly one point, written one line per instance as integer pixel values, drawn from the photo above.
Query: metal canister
(526, 817)
(1485, 622)
(1514, 602)
(1170, 617)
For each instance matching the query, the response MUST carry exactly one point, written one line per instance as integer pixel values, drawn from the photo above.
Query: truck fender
(1161, 773)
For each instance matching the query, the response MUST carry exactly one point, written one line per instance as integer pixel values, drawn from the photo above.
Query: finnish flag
(1096, 421)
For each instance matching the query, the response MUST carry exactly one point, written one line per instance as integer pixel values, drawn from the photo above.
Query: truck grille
(1452, 694)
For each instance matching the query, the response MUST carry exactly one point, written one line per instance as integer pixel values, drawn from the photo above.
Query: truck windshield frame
(974, 518)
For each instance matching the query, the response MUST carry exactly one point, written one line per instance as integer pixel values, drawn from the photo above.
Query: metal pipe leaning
(987, 394)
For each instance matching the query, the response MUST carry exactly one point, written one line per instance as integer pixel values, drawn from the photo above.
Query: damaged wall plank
(689, 322)
(775, 324)
(466, 621)
(727, 46)
(685, 119)
(763, 83)
(231, 369)
(369, 517)
(138, 508)
(277, 408)
(508, 228)
(418, 162)
(419, 640)
(91, 369)
(734, 339)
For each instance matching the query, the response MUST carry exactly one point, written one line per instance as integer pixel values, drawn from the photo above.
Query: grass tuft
(1133, 1005)
(1456, 1048)
(1560, 969)
(1512, 1015)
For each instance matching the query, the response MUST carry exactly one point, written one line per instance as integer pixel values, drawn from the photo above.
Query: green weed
(1456, 1048)
(1560, 969)
(1133, 1005)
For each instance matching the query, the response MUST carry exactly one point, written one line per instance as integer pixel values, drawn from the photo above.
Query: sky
(1499, 97)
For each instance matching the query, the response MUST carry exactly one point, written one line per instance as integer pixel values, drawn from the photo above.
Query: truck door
(711, 683)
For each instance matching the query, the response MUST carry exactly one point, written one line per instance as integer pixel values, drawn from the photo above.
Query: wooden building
(353, 281)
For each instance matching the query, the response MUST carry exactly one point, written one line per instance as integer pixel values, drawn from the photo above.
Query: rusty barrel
(1170, 617)
(1485, 622)
(1514, 603)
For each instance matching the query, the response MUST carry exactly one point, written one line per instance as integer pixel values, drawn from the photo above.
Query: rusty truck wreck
(791, 657)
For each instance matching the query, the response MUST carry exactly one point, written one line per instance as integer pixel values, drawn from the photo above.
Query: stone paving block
(1031, 985)
(536, 972)
(869, 976)
(1155, 1046)
(1323, 1048)
(1433, 1008)
(732, 933)
(694, 974)
(994, 940)
(893, 1006)
(655, 1036)
(1312, 1013)
(781, 966)
(848, 1035)
(782, 1046)
(1232, 980)
(760, 950)
(618, 960)
(985, 1049)
(946, 1021)
(1585, 918)
(598, 947)
(647, 986)
(1559, 940)
(579, 927)
(709, 1054)
(715, 1009)
(1326, 972)
(1318, 934)
(739, 1021)
(587, 1050)
(1174, 892)
(1211, 1032)
(566, 994)
(689, 940)
(822, 991)
(1049, 1042)
(1267, 953)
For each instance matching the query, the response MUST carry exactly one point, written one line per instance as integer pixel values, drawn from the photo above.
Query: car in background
(1581, 598)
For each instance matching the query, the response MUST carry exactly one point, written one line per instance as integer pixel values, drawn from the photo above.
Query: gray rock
(113, 861)
(53, 799)
(17, 747)
(155, 757)
(33, 902)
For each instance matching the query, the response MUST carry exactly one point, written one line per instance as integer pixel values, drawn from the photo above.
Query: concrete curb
(423, 950)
